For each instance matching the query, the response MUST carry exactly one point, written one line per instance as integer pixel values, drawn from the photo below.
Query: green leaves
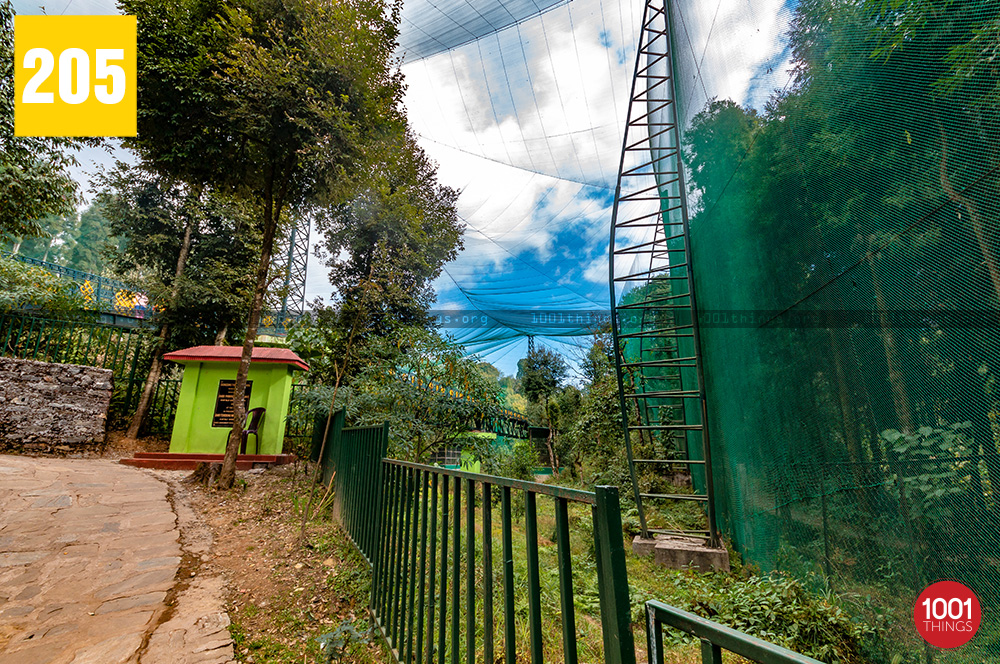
(386, 245)
(540, 373)
(150, 215)
(34, 288)
(34, 172)
(431, 394)
(774, 608)
(942, 476)
(335, 644)
(258, 91)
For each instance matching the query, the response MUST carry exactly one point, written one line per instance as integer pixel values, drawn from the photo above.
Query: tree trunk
(48, 248)
(220, 337)
(148, 389)
(272, 212)
(852, 427)
(142, 409)
(897, 385)
(553, 459)
(985, 242)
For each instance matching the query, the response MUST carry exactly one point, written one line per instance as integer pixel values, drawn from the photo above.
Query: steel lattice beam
(657, 347)
(289, 262)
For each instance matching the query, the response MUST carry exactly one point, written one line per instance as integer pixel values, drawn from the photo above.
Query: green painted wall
(193, 432)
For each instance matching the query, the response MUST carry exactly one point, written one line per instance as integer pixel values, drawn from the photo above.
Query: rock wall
(47, 407)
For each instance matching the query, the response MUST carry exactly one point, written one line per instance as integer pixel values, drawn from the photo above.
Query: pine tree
(91, 238)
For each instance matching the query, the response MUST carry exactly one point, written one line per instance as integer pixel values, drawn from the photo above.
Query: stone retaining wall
(47, 407)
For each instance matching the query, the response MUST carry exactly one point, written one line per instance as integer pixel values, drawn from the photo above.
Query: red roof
(233, 354)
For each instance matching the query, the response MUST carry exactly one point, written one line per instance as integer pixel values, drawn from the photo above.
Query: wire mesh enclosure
(843, 199)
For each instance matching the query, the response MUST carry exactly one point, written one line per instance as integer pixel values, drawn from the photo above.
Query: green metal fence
(163, 407)
(440, 600)
(438, 594)
(359, 482)
(714, 638)
(451, 582)
(125, 351)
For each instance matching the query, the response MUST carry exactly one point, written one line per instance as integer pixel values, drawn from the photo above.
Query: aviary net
(845, 230)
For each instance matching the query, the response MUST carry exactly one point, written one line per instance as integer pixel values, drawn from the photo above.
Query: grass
(780, 610)
(300, 615)
(310, 605)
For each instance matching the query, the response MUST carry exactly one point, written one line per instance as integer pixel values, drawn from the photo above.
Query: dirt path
(99, 564)
(282, 595)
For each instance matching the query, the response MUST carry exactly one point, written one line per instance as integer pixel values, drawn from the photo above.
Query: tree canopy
(149, 214)
(541, 371)
(276, 101)
(387, 244)
(34, 171)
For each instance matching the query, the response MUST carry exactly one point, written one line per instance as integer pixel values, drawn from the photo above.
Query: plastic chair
(251, 425)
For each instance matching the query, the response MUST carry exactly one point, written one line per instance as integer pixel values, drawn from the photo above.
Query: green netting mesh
(852, 222)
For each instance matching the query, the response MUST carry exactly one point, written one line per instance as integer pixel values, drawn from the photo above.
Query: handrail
(577, 495)
(70, 272)
(714, 637)
(423, 592)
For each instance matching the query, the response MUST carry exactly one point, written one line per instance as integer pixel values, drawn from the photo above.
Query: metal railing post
(612, 578)
(710, 653)
(714, 638)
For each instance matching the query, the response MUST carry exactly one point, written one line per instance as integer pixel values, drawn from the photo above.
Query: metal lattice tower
(655, 329)
(288, 273)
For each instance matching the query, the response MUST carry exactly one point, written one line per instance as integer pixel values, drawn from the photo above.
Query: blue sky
(527, 122)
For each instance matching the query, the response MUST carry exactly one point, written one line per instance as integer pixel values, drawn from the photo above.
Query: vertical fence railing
(125, 351)
(300, 419)
(327, 454)
(69, 342)
(358, 484)
(438, 594)
(714, 638)
(163, 406)
(351, 458)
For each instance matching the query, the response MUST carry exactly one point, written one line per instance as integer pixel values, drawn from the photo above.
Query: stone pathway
(99, 565)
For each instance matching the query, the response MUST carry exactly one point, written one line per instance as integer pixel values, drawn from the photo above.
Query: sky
(522, 104)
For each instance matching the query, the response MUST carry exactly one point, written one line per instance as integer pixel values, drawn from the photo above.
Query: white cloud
(66, 7)
(521, 119)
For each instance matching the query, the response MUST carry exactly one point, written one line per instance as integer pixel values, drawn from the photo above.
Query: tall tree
(390, 241)
(190, 252)
(273, 99)
(90, 242)
(34, 172)
(541, 372)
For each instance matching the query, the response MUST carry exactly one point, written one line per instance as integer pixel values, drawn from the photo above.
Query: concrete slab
(682, 552)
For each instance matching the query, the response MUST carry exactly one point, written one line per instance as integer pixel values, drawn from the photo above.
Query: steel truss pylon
(288, 273)
(654, 324)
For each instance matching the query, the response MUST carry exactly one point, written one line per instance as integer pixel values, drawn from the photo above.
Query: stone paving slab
(89, 558)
